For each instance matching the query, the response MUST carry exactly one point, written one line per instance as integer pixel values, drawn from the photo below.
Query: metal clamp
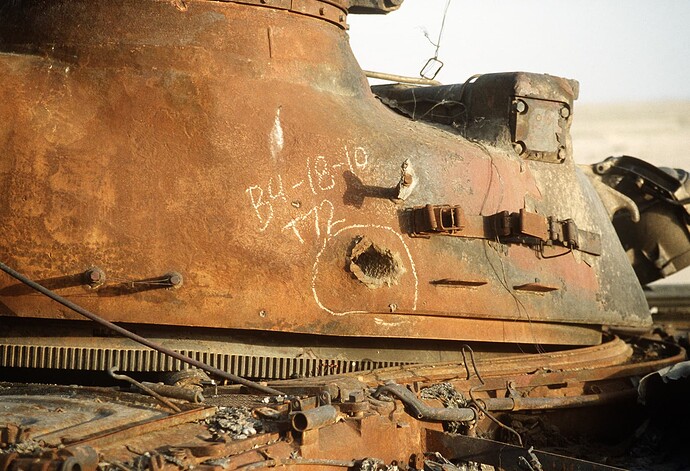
(523, 227)
(434, 218)
(567, 234)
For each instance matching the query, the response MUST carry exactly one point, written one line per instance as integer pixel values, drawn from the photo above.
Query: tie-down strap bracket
(523, 227)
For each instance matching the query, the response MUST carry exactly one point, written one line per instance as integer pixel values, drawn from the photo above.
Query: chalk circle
(338, 284)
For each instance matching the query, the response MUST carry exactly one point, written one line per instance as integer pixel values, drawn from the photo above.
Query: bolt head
(519, 147)
(175, 280)
(520, 106)
(565, 112)
(94, 276)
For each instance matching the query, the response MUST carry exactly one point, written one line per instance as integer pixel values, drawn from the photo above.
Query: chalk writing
(322, 218)
(321, 173)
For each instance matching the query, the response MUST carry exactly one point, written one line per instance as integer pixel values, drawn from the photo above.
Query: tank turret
(220, 176)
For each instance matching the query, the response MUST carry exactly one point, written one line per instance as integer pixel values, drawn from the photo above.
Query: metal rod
(176, 392)
(548, 403)
(400, 78)
(137, 338)
(422, 411)
(146, 389)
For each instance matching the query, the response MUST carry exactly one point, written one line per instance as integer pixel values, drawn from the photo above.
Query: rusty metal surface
(223, 167)
(79, 417)
(504, 456)
(611, 353)
(577, 377)
(216, 142)
(326, 427)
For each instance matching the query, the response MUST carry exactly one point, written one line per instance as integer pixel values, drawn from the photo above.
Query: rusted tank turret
(374, 279)
(220, 175)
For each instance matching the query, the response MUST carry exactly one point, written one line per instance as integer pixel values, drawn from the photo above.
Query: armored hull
(222, 170)
(404, 271)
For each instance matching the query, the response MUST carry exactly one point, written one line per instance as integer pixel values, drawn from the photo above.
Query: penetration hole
(373, 265)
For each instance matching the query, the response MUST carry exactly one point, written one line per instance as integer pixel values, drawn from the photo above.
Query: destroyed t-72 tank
(219, 180)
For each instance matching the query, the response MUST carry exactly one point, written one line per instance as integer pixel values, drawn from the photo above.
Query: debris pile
(234, 422)
(446, 393)
(449, 397)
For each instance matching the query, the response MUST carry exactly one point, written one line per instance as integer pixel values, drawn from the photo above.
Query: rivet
(262, 313)
(565, 112)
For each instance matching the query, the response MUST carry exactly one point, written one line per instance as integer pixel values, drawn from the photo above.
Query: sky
(619, 50)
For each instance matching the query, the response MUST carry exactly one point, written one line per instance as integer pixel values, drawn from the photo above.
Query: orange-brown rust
(218, 142)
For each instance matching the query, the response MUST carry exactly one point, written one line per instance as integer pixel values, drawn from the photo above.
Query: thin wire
(492, 417)
(479, 404)
(544, 256)
(474, 364)
(503, 280)
(440, 32)
(440, 103)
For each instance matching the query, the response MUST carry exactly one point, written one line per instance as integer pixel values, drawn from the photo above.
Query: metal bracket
(524, 227)
(539, 129)
(434, 218)
(567, 233)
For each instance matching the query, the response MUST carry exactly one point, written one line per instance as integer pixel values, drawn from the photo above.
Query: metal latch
(522, 224)
(437, 219)
(567, 233)
(523, 227)
(534, 229)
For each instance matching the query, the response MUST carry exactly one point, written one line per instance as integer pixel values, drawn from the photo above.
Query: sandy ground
(658, 132)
